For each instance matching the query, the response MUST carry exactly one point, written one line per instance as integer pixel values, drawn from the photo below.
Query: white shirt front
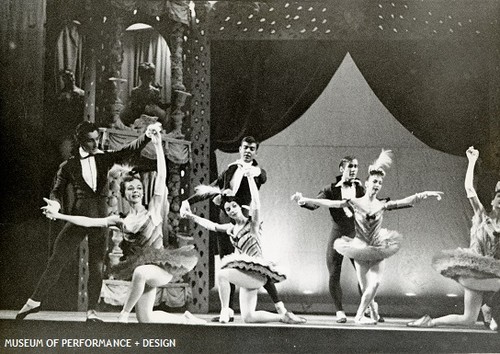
(347, 192)
(89, 169)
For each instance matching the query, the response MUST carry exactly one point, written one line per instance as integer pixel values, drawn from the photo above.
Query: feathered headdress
(208, 191)
(383, 162)
(118, 172)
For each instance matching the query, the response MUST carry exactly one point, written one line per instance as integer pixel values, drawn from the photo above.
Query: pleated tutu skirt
(463, 262)
(253, 264)
(385, 245)
(177, 261)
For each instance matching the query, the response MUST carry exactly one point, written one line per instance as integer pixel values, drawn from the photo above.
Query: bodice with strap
(245, 241)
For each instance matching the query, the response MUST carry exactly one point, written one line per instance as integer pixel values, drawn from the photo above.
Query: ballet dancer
(476, 268)
(371, 244)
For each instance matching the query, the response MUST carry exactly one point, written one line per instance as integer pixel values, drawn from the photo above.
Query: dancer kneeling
(371, 244)
(245, 268)
(476, 268)
(150, 264)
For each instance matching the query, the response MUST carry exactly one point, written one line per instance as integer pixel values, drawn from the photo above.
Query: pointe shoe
(374, 312)
(27, 310)
(423, 322)
(225, 315)
(493, 325)
(486, 311)
(231, 317)
(291, 318)
(369, 314)
(364, 321)
(192, 319)
(92, 316)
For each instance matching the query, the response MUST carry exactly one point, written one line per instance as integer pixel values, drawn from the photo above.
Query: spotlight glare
(452, 295)
(411, 294)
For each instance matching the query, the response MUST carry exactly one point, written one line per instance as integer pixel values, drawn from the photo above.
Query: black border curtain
(438, 90)
(261, 87)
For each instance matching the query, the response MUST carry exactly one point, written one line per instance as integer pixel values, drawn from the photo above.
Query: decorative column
(198, 68)
(178, 88)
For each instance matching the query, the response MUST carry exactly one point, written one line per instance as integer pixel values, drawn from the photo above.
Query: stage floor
(321, 334)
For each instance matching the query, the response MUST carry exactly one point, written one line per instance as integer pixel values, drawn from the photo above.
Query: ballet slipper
(192, 319)
(92, 316)
(425, 321)
(123, 317)
(290, 318)
(361, 320)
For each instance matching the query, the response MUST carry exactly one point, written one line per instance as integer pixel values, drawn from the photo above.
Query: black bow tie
(348, 183)
(86, 157)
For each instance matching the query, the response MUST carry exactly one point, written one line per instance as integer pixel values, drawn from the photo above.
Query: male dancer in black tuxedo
(346, 186)
(233, 178)
(87, 171)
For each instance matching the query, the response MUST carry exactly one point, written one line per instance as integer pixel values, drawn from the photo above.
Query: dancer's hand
(153, 129)
(51, 210)
(185, 209)
(298, 198)
(472, 154)
(436, 194)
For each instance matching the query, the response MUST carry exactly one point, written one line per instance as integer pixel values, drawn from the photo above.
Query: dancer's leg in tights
(249, 285)
(369, 274)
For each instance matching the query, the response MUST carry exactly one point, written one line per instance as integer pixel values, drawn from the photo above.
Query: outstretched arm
(301, 200)
(51, 210)
(186, 213)
(412, 200)
(472, 156)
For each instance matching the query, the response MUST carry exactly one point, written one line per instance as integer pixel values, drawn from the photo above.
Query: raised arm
(412, 200)
(301, 200)
(51, 210)
(472, 156)
(160, 192)
(135, 146)
(255, 203)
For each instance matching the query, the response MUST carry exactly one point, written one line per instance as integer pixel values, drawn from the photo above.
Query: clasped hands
(185, 209)
(154, 130)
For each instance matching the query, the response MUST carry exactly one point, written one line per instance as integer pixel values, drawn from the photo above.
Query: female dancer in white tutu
(147, 261)
(245, 268)
(372, 244)
(476, 268)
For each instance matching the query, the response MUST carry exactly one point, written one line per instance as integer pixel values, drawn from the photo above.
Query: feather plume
(119, 171)
(204, 190)
(383, 161)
